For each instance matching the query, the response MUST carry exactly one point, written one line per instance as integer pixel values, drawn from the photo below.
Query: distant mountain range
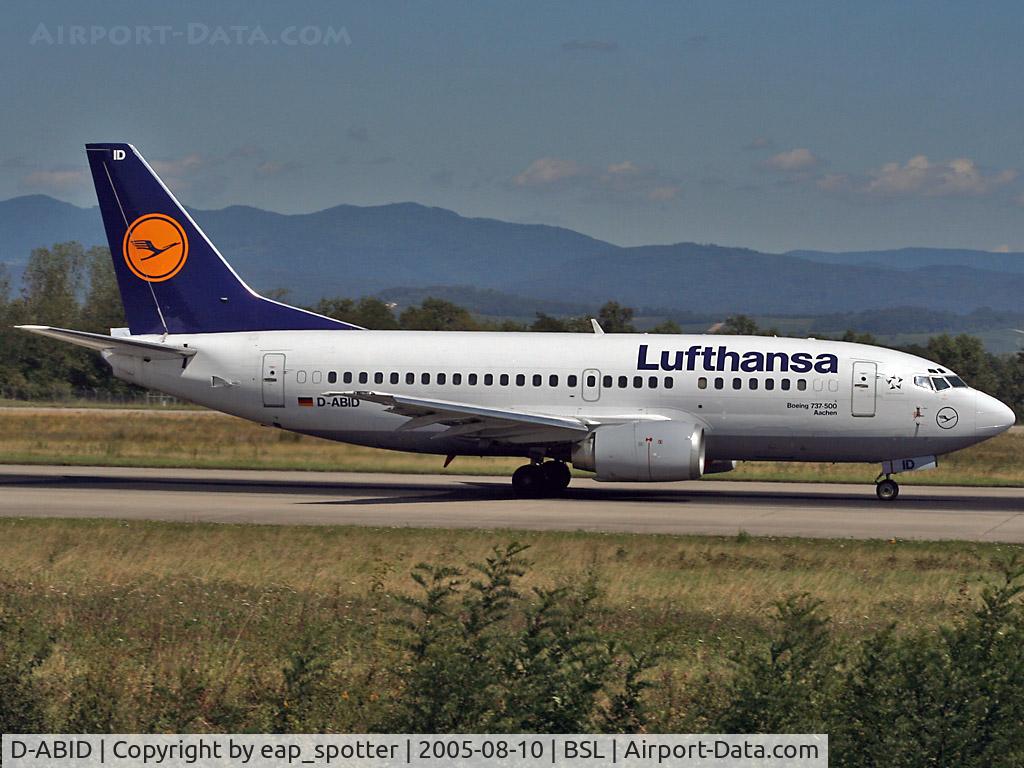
(400, 250)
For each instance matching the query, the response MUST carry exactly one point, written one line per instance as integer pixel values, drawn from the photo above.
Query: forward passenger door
(864, 388)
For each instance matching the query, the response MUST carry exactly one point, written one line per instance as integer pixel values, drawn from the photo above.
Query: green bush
(481, 656)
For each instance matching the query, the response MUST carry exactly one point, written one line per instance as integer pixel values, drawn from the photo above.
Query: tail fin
(172, 278)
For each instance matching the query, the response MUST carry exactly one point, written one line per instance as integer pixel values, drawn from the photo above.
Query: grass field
(178, 438)
(151, 613)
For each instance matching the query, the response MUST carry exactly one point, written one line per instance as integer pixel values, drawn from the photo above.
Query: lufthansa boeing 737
(627, 407)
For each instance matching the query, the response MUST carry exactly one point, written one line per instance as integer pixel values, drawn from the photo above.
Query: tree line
(70, 286)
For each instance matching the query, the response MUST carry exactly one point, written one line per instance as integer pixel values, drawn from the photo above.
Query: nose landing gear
(534, 481)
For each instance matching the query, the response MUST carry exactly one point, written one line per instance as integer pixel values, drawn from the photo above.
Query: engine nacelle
(644, 451)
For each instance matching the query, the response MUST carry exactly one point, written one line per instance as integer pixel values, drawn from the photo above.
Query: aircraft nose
(991, 416)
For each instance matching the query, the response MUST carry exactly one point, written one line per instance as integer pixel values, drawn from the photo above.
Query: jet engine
(645, 451)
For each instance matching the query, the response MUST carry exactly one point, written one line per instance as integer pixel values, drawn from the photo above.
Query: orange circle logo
(155, 247)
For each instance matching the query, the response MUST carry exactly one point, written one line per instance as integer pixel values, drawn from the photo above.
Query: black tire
(887, 490)
(528, 481)
(556, 476)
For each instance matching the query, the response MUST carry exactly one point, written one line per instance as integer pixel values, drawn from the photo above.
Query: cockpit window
(956, 381)
(940, 383)
(923, 381)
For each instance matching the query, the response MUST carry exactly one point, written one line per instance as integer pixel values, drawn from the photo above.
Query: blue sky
(770, 125)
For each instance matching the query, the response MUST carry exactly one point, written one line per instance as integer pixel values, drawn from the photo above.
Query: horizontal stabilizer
(121, 345)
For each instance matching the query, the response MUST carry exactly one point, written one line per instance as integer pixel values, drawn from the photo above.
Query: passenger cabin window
(363, 377)
(537, 379)
(939, 383)
(442, 378)
(378, 378)
(410, 378)
(591, 380)
(719, 382)
(801, 384)
(347, 378)
(606, 382)
(520, 380)
(317, 377)
(553, 380)
(456, 379)
(702, 382)
(623, 382)
(471, 379)
(332, 377)
(572, 380)
(503, 379)
(488, 379)
(669, 382)
(737, 383)
(752, 383)
(784, 384)
(300, 377)
(652, 382)
(769, 384)
(394, 378)
(425, 378)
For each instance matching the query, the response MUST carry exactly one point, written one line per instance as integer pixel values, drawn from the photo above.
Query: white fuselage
(860, 404)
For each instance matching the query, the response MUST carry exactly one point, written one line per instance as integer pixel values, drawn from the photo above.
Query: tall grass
(211, 440)
(166, 626)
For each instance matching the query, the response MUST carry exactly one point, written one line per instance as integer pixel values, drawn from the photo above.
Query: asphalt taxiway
(717, 507)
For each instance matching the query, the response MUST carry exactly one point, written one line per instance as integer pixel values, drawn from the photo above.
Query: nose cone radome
(991, 416)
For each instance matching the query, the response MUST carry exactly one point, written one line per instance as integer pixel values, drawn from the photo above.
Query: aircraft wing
(121, 345)
(477, 422)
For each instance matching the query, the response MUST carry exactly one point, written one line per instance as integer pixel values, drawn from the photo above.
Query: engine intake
(644, 451)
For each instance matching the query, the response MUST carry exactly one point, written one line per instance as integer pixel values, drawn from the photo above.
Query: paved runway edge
(451, 501)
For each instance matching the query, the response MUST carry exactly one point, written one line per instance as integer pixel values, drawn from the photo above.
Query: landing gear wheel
(528, 481)
(556, 476)
(887, 489)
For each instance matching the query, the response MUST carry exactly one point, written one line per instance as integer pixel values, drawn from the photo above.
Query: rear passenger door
(273, 380)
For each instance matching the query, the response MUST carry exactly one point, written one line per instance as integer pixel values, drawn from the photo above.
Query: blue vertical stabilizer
(172, 278)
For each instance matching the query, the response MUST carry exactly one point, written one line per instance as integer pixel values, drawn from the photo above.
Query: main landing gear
(534, 481)
(887, 489)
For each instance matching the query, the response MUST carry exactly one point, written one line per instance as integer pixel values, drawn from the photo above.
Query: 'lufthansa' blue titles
(721, 358)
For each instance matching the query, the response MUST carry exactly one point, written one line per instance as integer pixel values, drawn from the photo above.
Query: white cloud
(833, 182)
(760, 142)
(55, 181)
(546, 171)
(178, 166)
(799, 159)
(623, 180)
(269, 168)
(624, 167)
(919, 176)
(662, 194)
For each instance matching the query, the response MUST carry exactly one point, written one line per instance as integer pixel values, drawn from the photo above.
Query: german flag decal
(306, 402)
